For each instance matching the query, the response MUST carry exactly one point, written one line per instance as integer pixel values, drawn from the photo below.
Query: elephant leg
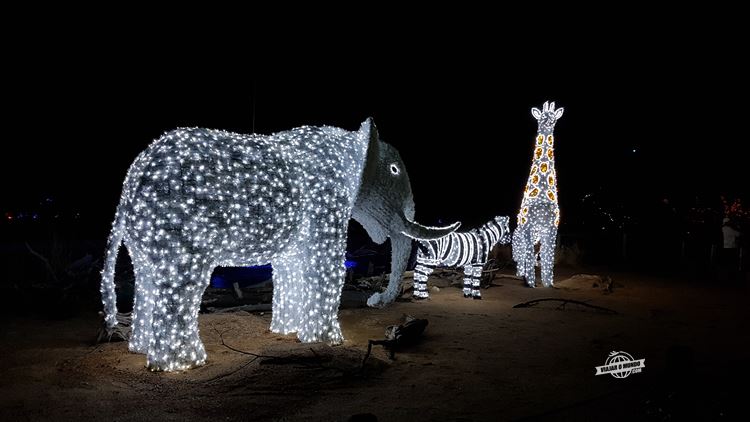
(548, 257)
(421, 274)
(324, 279)
(143, 305)
(288, 287)
(476, 278)
(176, 343)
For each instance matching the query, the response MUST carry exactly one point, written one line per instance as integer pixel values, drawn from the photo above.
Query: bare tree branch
(565, 302)
(45, 260)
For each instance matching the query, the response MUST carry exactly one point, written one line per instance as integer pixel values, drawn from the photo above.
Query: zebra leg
(421, 273)
(468, 280)
(476, 278)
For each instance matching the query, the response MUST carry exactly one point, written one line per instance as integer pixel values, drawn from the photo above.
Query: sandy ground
(477, 361)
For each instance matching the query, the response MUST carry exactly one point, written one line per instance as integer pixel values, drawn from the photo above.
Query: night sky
(645, 116)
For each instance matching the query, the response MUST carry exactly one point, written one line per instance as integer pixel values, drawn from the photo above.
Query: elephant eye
(395, 170)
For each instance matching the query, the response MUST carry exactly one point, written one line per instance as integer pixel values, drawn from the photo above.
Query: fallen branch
(565, 302)
(278, 360)
(261, 307)
(223, 343)
(511, 276)
(120, 332)
(388, 344)
(45, 260)
(397, 336)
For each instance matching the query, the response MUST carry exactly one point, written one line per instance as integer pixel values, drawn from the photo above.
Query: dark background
(653, 133)
(654, 108)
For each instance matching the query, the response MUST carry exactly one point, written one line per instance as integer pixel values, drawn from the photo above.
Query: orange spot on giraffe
(543, 167)
(550, 140)
(551, 196)
(533, 169)
(525, 210)
(539, 139)
(538, 153)
(551, 181)
(535, 179)
(550, 154)
(534, 193)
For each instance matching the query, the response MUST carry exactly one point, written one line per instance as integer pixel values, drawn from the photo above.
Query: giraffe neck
(541, 187)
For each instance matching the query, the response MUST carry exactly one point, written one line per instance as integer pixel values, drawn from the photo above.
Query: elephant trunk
(400, 253)
(401, 239)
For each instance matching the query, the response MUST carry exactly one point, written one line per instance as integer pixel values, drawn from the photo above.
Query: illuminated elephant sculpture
(198, 198)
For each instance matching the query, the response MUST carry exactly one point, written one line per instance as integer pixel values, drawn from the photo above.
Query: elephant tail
(109, 296)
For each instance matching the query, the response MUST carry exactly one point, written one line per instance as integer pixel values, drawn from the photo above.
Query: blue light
(225, 277)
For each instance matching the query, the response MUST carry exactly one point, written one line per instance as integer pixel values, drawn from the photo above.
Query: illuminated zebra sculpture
(469, 250)
(539, 214)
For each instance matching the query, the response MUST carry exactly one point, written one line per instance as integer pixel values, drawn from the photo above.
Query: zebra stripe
(469, 250)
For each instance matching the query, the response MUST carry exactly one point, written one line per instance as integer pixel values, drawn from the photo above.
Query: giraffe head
(547, 117)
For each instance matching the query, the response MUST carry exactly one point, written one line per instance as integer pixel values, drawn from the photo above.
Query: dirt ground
(477, 361)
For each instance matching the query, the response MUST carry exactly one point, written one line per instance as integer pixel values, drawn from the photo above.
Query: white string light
(539, 214)
(199, 198)
(469, 250)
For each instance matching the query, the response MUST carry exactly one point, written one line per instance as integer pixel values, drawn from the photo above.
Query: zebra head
(502, 222)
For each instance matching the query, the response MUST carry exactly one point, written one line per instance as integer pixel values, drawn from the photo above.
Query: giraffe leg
(548, 256)
(468, 284)
(421, 273)
(518, 254)
(476, 278)
(529, 256)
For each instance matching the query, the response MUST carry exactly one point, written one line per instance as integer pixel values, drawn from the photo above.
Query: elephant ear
(369, 133)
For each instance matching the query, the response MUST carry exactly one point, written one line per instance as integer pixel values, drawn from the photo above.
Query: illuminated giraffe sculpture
(539, 214)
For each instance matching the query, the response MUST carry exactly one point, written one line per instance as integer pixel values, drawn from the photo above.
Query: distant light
(634, 149)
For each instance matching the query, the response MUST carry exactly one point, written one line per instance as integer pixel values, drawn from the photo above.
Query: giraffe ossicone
(539, 213)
